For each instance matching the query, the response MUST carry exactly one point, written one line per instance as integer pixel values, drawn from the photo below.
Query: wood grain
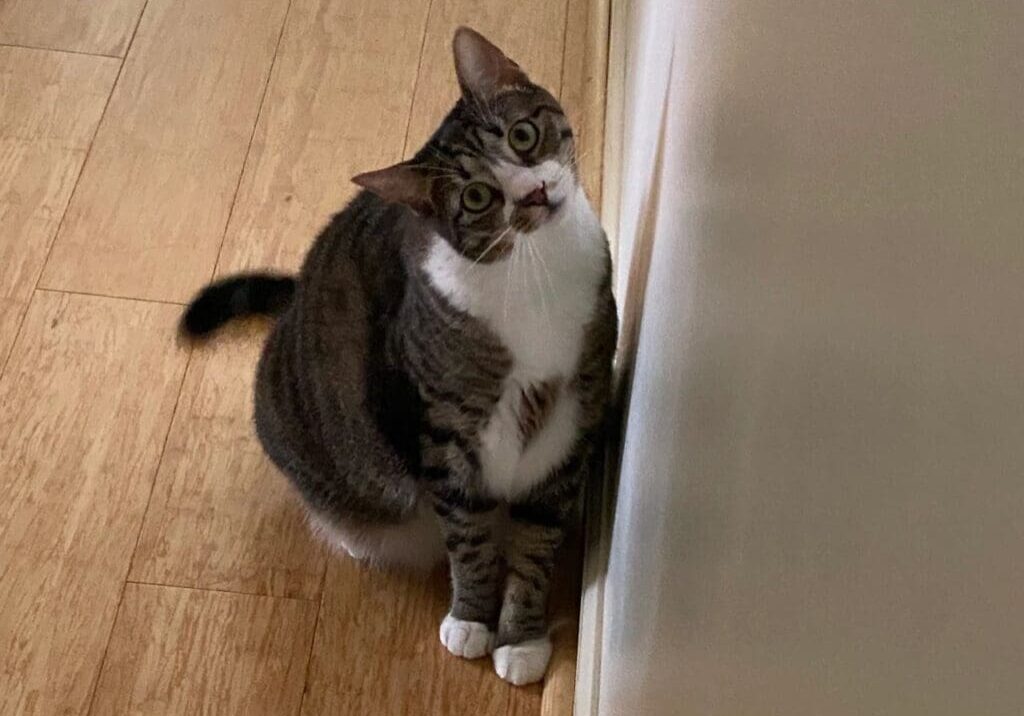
(221, 516)
(154, 197)
(102, 28)
(84, 408)
(377, 651)
(337, 105)
(584, 77)
(530, 32)
(51, 105)
(184, 651)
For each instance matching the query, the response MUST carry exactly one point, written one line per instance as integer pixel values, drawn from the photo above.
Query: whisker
(535, 262)
(494, 243)
(525, 269)
(508, 274)
(547, 273)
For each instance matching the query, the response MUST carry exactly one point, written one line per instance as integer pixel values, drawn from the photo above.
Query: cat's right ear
(401, 184)
(483, 70)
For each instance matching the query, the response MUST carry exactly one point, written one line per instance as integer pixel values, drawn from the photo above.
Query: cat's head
(502, 163)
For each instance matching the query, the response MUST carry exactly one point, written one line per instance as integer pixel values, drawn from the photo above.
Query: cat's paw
(470, 640)
(523, 663)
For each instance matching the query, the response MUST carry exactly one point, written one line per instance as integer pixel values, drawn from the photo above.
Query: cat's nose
(537, 197)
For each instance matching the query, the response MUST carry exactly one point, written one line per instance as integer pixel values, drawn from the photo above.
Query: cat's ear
(482, 68)
(401, 184)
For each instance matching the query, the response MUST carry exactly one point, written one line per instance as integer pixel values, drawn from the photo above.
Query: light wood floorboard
(337, 105)
(149, 214)
(365, 664)
(186, 651)
(51, 106)
(85, 404)
(221, 516)
(101, 27)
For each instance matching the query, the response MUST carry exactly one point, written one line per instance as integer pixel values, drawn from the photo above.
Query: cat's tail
(236, 296)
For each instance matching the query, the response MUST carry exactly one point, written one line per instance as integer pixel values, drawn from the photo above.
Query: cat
(437, 376)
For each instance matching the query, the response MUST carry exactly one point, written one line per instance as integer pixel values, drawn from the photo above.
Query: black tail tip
(202, 317)
(233, 297)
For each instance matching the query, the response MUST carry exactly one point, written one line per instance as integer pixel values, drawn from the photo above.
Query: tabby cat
(435, 383)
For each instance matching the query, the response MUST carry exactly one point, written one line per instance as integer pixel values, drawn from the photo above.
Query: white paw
(470, 640)
(523, 663)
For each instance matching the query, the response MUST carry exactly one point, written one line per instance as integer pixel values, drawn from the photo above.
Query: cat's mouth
(533, 209)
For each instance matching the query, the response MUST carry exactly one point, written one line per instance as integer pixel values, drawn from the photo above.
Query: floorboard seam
(40, 48)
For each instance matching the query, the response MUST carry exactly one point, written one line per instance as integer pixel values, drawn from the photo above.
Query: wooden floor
(151, 561)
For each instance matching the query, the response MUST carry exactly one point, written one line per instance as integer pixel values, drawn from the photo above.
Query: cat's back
(322, 359)
(349, 289)
(365, 238)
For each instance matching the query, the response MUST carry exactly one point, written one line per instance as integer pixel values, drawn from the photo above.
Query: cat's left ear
(482, 68)
(401, 184)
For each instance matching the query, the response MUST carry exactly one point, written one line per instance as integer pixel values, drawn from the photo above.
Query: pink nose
(537, 197)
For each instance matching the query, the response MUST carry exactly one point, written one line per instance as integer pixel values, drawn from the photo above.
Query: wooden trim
(584, 76)
(614, 119)
(597, 538)
(584, 79)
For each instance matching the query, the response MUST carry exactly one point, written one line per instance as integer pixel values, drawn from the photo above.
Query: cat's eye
(476, 197)
(523, 136)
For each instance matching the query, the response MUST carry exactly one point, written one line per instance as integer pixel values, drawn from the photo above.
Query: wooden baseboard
(614, 119)
(584, 79)
(584, 76)
(597, 538)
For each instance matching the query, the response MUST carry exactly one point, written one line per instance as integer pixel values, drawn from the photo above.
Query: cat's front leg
(537, 527)
(469, 524)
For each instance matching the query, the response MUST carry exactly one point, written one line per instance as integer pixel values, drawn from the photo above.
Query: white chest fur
(538, 302)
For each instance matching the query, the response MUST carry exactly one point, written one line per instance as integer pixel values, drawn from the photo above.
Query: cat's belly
(529, 434)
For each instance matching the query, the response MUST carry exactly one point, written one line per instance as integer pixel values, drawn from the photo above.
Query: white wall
(821, 507)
